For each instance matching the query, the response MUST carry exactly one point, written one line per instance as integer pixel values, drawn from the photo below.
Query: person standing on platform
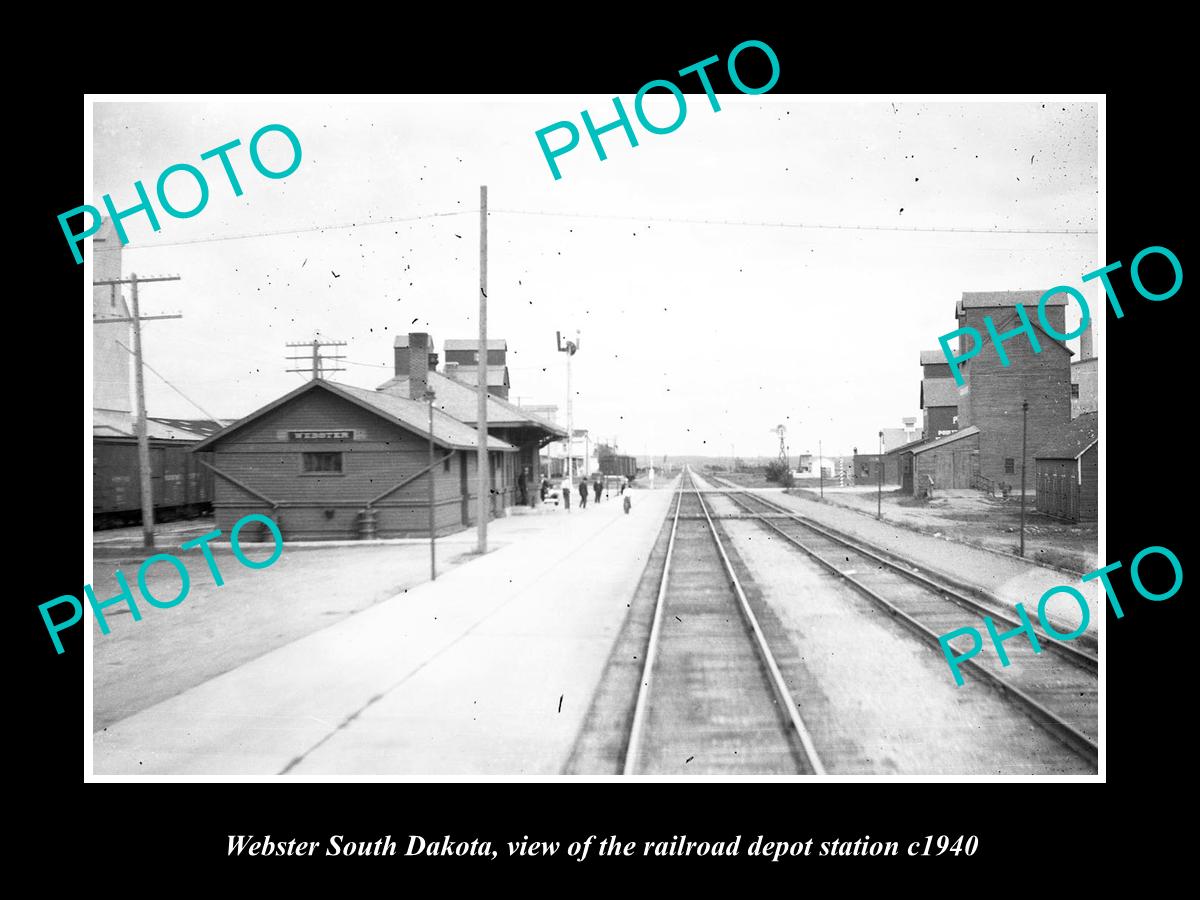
(545, 488)
(564, 491)
(583, 494)
(598, 486)
(522, 490)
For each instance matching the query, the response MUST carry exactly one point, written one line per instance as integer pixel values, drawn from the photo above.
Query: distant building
(991, 397)
(893, 440)
(934, 365)
(831, 468)
(898, 464)
(897, 437)
(1085, 375)
(950, 462)
(867, 468)
(939, 404)
(462, 362)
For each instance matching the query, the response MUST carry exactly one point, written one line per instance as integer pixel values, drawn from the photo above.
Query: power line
(312, 228)
(820, 226)
(134, 318)
(171, 386)
(805, 225)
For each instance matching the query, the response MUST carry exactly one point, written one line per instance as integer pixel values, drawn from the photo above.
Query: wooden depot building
(329, 461)
(457, 395)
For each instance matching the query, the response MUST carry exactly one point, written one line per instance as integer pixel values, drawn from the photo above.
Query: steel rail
(779, 686)
(1051, 722)
(637, 729)
(1071, 652)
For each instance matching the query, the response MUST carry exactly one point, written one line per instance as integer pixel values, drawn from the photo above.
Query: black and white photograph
(530, 437)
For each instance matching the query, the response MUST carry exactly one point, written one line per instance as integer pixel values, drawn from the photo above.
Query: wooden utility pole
(484, 474)
(1024, 422)
(143, 437)
(318, 367)
(430, 396)
(879, 505)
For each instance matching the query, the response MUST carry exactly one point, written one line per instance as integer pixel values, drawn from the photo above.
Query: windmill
(781, 430)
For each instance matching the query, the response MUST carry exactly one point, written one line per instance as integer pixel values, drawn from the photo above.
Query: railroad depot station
(709, 622)
(330, 461)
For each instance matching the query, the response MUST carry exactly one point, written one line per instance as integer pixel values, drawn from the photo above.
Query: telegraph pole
(318, 367)
(1024, 419)
(570, 348)
(430, 396)
(481, 452)
(143, 438)
(821, 468)
(879, 504)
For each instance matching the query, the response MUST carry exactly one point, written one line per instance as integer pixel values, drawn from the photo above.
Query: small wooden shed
(1068, 471)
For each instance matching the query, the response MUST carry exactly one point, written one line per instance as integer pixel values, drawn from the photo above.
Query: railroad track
(1057, 689)
(711, 692)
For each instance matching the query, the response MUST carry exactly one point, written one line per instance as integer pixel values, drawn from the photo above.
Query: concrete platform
(487, 671)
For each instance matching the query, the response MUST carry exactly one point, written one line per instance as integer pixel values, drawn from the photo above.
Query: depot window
(1010, 465)
(321, 463)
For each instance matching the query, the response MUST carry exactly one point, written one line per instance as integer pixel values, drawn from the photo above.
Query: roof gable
(473, 344)
(412, 415)
(1071, 440)
(903, 447)
(969, 431)
(462, 402)
(997, 299)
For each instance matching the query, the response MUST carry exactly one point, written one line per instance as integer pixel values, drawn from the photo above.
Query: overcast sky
(695, 337)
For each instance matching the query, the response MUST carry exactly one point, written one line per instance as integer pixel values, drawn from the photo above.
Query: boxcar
(181, 486)
(619, 465)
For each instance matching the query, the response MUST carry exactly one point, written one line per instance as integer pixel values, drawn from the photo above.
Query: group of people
(596, 486)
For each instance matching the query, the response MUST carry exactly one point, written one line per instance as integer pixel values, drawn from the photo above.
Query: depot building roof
(413, 415)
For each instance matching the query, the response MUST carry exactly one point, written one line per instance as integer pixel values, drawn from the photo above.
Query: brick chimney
(420, 356)
(1085, 343)
(402, 356)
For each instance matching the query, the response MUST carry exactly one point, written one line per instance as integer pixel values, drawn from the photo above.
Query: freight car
(616, 464)
(182, 487)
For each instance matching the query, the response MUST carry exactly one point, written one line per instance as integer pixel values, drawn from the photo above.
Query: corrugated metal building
(1067, 468)
(328, 458)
